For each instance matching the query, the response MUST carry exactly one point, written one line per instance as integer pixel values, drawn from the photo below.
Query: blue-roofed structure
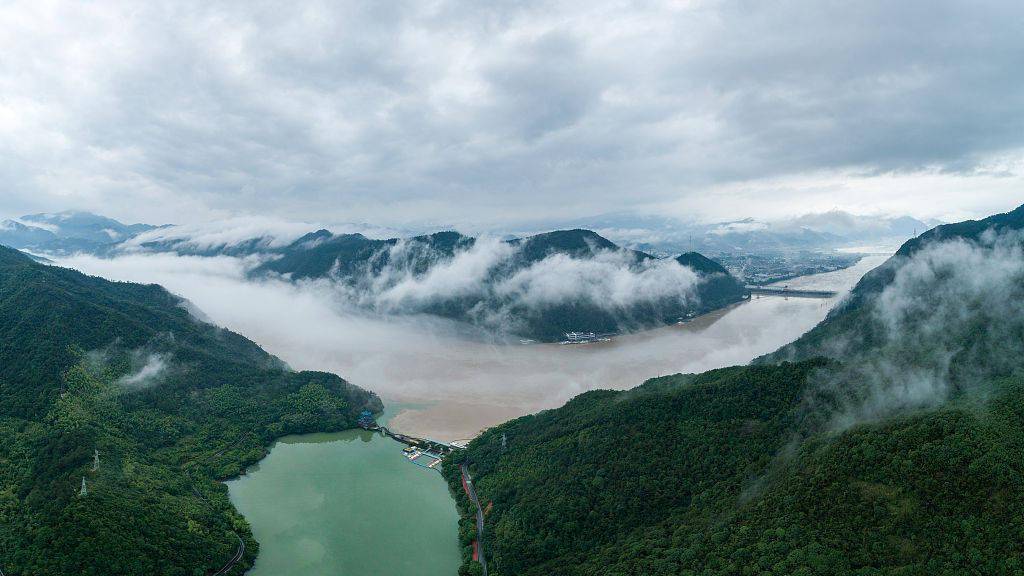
(366, 420)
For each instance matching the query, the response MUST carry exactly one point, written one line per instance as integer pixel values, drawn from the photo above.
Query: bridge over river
(790, 293)
(424, 444)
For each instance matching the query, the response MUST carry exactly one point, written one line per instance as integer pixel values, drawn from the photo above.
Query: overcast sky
(488, 111)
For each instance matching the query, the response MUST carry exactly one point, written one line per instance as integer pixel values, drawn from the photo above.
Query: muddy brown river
(453, 388)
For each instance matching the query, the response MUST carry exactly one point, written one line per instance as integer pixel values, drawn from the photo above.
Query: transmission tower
(84, 491)
(95, 460)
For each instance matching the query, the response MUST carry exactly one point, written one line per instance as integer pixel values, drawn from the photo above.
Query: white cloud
(949, 322)
(465, 274)
(225, 233)
(743, 227)
(611, 280)
(409, 277)
(153, 368)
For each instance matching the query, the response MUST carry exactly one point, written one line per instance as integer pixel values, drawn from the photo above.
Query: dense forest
(119, 384)
(892, 444)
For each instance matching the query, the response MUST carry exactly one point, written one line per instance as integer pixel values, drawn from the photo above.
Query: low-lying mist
(948, 325)
(454, 386)
(508, 288)
(610, 278)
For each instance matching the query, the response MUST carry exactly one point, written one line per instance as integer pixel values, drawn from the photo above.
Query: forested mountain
(967, 269)
(901, 453)
(169, 402)
(539, 287)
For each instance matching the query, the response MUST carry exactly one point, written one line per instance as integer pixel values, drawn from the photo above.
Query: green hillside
(170, 403)
(903, 454)
(856, 324)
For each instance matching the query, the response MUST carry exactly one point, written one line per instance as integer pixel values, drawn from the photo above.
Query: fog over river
(458, 387)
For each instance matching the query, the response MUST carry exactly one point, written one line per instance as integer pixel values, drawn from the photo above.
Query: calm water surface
(347, 504)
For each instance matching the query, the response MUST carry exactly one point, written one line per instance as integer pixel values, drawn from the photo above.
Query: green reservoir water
(347, 504)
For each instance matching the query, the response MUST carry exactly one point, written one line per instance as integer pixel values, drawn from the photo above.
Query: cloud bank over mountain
(941, 319)
(495, 284)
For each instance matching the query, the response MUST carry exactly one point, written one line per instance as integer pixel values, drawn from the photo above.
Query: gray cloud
(457, 110)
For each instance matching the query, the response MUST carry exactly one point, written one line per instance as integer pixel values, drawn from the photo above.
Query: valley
(442, 387)
(455, 386)
(545, 288)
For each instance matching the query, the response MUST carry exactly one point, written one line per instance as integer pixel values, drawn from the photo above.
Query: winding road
(186, 468)
(479, 515)
(234, 560)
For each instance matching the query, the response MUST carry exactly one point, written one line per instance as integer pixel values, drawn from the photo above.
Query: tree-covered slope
(946, 268)
(169, 402)
(708, 475)
(538, 287)
(902, 454)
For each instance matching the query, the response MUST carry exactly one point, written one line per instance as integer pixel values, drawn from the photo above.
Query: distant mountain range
(813, 232)
(537, 287)
(67, 232)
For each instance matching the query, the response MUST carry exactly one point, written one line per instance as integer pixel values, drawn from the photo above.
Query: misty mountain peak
(577, 239)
